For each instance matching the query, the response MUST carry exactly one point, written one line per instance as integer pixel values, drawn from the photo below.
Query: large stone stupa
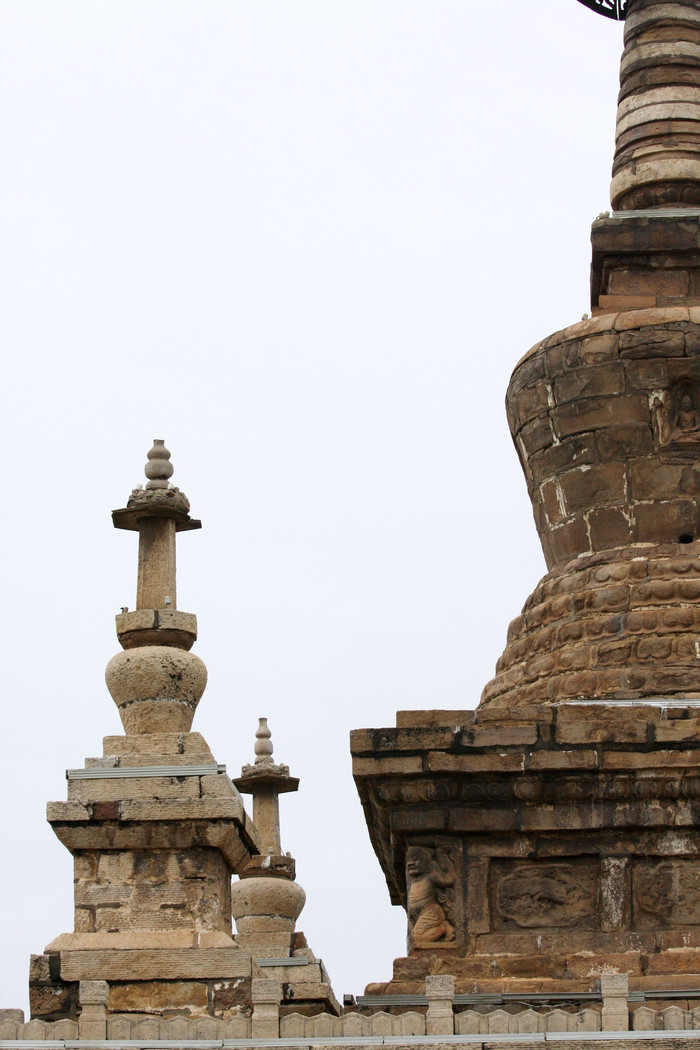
(553, 834)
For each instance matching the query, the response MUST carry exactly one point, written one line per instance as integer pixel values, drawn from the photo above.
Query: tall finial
(157, 684)
(263, 743)
(267, 901)
(156, 513)
(159, 469)
(266, 781)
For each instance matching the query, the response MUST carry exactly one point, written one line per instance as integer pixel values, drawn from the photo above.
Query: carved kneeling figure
(427, 895)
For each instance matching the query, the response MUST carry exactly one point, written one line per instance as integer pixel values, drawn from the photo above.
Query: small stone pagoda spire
(267, 901)
(266, 781)
(156, 683)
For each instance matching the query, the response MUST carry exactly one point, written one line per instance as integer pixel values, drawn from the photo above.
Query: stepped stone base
(617, 625)
(153, 860)
(540, 848)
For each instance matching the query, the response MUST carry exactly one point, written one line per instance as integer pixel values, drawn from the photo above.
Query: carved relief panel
(677, 418)
(666, 893)
(433, 893)
(545, 894)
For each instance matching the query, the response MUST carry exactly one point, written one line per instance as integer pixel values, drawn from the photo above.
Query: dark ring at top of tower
(616, 9)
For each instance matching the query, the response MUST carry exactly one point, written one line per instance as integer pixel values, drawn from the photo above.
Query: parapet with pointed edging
(155, 826)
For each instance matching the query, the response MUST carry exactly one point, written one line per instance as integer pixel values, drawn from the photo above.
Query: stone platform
(153, 857)
(541, 847)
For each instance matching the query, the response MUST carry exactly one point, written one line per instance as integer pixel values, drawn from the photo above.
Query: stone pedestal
(644, 260)
(153, 859)
(538, 851)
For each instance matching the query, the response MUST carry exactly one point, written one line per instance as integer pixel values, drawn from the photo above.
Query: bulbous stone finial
(263, 743)
(159, 468)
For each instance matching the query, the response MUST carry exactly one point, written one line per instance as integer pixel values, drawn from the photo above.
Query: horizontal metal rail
(331, 1041)
(501, 999)
(119, 772)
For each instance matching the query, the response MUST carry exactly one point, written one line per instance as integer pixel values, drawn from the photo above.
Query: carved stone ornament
(667, 894)
(430, 879)
(677, 418)
(150, 498)
(546, 895)
(581, 788)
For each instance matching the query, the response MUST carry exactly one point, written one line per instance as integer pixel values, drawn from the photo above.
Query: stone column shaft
(657, 154)
(156, 569)
(266, 817)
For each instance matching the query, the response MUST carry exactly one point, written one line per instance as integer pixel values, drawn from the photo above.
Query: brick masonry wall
(605, 416)
(622, 626)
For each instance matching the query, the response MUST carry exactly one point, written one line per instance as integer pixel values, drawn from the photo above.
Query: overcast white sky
(305, 242)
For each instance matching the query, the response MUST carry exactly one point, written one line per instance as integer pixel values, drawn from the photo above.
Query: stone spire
(267, 901)
(155, 826)
(156, 683)
(657, 155)
(266, 781)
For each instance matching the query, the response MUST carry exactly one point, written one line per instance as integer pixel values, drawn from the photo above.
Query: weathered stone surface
(154, 997)
(231, 998)
(156, 627)
(120, 789)
(417, 719)
(585, 487)
(278, 900)
(563, 760)
(11, 1016)
(558, 888)
(153, 890)
(605, 636)
(49, 997)
(53, 1002)
(156, 688)
(601, 439)
(527, 895)
(167, 964)
(146, 827)
(137, 939)
(149, 744)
